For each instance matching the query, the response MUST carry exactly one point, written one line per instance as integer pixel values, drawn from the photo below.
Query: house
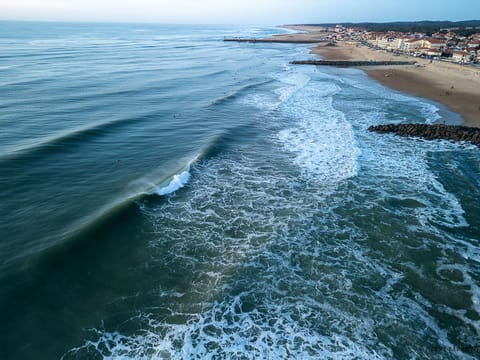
(447, 53)
(382, 42)
(432, 43)
(397, 44)
(473, 44)
(438, 35)
(473, 53)
(421, 51)
(451, 34)
(460, 56)
(433, 52)
(411, 45)
(375, 38)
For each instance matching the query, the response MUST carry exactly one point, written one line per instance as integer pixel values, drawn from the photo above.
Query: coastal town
(446, 44)
(441, 65)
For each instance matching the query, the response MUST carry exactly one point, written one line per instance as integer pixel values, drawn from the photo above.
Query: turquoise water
(168, 195)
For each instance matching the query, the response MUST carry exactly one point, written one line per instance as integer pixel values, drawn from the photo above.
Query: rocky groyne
(350, 63)
(432, 132)
(281, 40)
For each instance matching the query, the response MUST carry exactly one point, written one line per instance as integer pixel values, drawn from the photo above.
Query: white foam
(446, 210)
(178, 181)
(321, 139)
(306, 294)
(149, 184)
(402, 164)
(429, 112)
(458, 275)
(291, 83)
(294, 82)
(260, 100)
(213, 335)
(273, 267)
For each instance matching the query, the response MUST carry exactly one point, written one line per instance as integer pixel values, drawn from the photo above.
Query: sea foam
(262, 264)
(321, 138)
(178, 181)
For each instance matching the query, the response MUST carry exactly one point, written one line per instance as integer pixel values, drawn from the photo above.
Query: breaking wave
(178, 181)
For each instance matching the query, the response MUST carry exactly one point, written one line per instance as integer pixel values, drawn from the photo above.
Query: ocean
(168, 195)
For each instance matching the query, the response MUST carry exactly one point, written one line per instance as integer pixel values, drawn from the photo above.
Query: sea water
(168, 195)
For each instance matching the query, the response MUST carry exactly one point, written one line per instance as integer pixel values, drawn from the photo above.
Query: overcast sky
(262, 12)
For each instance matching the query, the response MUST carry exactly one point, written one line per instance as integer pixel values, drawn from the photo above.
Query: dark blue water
(168, 195)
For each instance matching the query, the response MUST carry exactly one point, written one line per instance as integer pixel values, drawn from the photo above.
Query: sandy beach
(453, 85)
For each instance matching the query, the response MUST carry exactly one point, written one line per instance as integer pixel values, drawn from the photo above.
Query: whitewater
(168, 195)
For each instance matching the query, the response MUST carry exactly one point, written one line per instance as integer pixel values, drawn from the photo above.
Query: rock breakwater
(432, 132)
(351, 63)
(278, 39)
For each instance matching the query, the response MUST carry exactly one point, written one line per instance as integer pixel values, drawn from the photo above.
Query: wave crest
(178, 181)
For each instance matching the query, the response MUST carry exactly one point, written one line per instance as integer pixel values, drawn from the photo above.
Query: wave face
(238, 208)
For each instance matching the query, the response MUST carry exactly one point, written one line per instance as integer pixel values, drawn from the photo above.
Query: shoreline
(454, 86)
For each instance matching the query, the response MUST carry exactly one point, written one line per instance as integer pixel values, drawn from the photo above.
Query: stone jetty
(350, 63)
(432, 132)
(282, 40)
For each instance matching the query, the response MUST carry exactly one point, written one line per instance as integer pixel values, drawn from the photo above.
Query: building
(412, 45)
(434, 53)
(473, 44)
(473, 52)
(432, 43)
(460, 56)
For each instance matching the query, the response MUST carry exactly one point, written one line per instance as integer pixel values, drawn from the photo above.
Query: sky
(261, 12)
